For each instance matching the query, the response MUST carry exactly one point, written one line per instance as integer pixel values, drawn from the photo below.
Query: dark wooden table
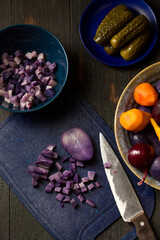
(99, 84)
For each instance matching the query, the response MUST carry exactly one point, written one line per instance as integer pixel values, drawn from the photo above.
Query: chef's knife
(124, 194)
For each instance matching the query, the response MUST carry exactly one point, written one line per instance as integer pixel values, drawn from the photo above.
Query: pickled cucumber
(113, 22)
(131, 30)
(133, 48)
(109, 49)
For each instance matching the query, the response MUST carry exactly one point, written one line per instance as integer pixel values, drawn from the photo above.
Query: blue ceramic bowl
(94, 14)
(27, 38)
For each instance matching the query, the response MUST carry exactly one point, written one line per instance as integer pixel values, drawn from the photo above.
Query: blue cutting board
(24, 136)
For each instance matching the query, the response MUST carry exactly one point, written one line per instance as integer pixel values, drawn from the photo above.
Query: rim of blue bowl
(67, 67)
(127, 63)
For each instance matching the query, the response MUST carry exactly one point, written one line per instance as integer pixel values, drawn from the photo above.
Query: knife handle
(143, 228)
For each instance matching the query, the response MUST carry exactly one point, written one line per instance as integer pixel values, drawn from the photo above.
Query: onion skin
(78, 144)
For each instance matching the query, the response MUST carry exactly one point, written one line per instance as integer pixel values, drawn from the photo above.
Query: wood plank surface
(100, 85)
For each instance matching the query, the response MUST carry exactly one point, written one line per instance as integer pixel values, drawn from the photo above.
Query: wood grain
(100, 85)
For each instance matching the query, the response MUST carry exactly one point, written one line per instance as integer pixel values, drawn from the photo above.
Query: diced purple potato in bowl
(26, 79)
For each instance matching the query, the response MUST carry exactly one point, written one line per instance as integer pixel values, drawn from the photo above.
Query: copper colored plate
(150, 74)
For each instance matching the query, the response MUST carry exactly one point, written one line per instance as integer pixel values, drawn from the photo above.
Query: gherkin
(109, 49)
(135, 46)
(113, 22)
(131, 30)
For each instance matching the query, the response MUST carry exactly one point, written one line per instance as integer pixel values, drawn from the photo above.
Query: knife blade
(124, 194)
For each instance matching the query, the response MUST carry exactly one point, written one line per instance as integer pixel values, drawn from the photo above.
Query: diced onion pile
(63, 182)
(26, 80)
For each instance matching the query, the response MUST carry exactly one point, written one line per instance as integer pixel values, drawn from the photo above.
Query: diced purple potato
(47, 153)
(79, 164)
(9, 87)
(139, 137)
(66, 199)
(84, 190)
(76, 178)
(35, 176)
(48, 87)
(78, 144)
(145, 109)
(65, 190)
(97, 184)
(81, 197)
(49, 187)
(54, 177)
(45, 80)
(29, 55)
(17, 60)
(38, 170)
(52, 83)
(77, 191)
(12, 64)
(59, 197)
(24, 82)
(57, 184)
(155, 168)
(91, 175)
(61, 205)
(107, 165)
(72, 160)
(42, 64)
(60, 174)
(41, 56)
(44, 162)
(22, 104)
(40, 96)
(64, 159)
(42, 166)
(91, 186)
(58, 166)
(82, 185)
(34, 182)
(42, 157)
(36, 101)
(73, 203)
(51, 147)
(55, 155)
(19, 53)
(72, 166)
(19, 65)
(57, 189)
(66, 173)
(90, 203)
(10, 58)
(34, 54)
(69, 184)
(41, 176)
(50, 93)
(75, 186)
(85, 179)
(52, 67)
